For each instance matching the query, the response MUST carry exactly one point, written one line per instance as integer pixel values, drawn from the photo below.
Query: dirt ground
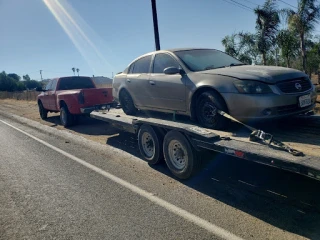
(89, 128)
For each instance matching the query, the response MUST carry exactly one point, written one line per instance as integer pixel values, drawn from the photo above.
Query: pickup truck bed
(301, 133)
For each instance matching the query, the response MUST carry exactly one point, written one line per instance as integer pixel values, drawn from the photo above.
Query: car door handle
(152, 82)
(128, 80)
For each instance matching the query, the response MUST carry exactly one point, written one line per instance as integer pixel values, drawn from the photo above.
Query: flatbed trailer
(179, 141)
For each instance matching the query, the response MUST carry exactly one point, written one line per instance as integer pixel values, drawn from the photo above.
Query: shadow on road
(285, 200)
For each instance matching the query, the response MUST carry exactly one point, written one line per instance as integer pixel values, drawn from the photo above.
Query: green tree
(313, 56)
(303, 21)
(14, 76)
(26, 77)
(267, 26)
(240, 46)
(32, 84)
(289, 44)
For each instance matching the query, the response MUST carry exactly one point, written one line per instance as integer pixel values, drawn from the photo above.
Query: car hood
(268, 74)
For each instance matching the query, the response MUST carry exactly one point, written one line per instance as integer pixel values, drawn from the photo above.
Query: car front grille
(295, 86)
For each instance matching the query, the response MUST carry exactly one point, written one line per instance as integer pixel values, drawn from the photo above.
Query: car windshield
(70, 83)
(205, 59)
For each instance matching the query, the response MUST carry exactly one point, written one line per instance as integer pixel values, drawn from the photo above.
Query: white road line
(216, 230)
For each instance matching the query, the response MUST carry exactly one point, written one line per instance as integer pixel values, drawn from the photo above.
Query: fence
(25, 95)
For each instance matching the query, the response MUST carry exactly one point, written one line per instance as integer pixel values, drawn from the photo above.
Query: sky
(101, 37)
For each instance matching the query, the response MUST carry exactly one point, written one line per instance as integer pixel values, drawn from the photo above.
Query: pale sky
(103, 36)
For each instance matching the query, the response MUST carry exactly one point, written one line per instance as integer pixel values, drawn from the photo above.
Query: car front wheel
(208, 104)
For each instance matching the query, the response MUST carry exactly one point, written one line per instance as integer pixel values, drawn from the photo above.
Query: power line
(248, 8)
(251, 2)
(288, 4)
(241, 4)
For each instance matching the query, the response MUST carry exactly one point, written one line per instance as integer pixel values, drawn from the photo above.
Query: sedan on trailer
(199, 82)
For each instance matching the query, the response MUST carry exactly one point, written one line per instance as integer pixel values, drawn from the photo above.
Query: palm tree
(289, 44)
(267, 26)
(73, 70)
(303, 21)
(78, 71)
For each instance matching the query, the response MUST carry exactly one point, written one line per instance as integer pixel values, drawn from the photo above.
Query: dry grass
(89, 128)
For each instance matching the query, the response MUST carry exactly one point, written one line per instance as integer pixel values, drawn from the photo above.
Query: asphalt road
(65, 187)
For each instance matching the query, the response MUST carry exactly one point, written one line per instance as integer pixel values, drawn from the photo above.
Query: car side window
(162, 61)
(142, 65)
(130, 71)
(54, 84)
(48, 86)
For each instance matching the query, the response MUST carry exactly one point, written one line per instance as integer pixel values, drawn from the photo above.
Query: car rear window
(70, 83)
(142, 65)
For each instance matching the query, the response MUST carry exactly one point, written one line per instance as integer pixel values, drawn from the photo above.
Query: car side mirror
(173, 70)
(39, 89)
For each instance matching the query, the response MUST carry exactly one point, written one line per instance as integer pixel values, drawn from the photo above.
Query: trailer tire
(127, 103)
(206, 108)
(42, 111)
(179, 155)
(150, 144)
(66, 118)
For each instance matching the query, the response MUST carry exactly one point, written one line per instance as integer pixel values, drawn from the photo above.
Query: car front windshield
(205, 59)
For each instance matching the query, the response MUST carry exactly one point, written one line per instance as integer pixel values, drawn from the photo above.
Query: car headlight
(252, 87)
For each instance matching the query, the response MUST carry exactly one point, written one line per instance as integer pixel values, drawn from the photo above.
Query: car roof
(171, 50)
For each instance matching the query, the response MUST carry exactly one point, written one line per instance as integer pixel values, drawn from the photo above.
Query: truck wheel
(66, 117)
(42, 111)
(150, 144)
(179, 155)
(206, 108)
(127, 103)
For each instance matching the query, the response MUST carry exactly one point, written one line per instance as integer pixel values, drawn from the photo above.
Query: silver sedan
(198, 82)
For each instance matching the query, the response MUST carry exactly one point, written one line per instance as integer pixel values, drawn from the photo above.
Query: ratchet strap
(259, 135)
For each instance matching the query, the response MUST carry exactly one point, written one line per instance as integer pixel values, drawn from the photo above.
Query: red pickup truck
(72, 96)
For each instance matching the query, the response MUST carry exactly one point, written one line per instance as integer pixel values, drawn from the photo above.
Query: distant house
(102, 82)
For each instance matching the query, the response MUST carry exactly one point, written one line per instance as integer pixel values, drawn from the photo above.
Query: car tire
(42, 111)
(150, 144)
(179, 154)
(66, 118)
(127, 103)
(206, 109)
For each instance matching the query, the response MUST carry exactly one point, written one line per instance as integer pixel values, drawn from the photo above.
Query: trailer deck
(301, 133)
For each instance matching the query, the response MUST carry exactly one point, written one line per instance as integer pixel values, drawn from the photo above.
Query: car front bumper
(247, 107)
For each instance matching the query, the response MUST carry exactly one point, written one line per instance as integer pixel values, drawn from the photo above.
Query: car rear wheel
(127, 103)
(66, 117)
(208, 104)
(42, 111)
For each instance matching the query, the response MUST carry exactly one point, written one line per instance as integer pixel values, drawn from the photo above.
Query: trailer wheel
(150, 144)
(179, 155)
(66, 117)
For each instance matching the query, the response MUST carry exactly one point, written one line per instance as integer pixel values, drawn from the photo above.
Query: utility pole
(155, 24)
(41, 74)
(112, 75)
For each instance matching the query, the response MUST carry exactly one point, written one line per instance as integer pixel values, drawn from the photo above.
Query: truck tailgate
(96, 96)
